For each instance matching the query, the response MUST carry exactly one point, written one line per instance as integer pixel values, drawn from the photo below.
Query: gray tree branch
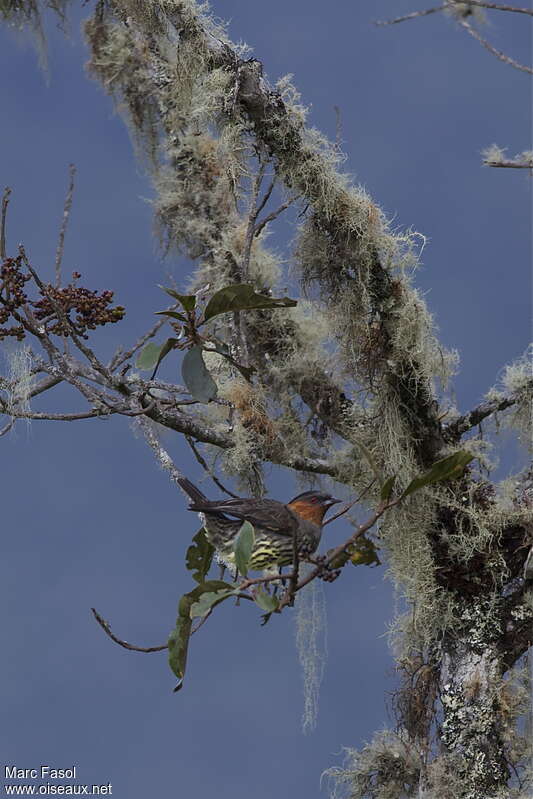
(459, 427)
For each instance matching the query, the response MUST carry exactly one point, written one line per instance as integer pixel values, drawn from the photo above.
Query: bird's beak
(332, 501)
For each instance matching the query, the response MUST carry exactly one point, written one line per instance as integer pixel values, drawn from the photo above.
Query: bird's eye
(314, 500)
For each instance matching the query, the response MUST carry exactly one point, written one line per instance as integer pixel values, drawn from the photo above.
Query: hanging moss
(22, 15)
(387, 768)
(311, 643)
(517, 381)
(19, 380)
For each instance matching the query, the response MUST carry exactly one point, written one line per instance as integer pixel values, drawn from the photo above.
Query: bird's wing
(266, 513)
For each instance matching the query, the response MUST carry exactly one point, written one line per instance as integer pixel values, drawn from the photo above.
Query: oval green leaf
(196, 377)
(266, 601)
(199, 556)
(188, 301)
(242, 297)
(167, 347)
(208, 601)
(243, 547)
(148, 356)
(173, 314)
(386, 488)
(178, 640)
(364, 553)
(446, 469)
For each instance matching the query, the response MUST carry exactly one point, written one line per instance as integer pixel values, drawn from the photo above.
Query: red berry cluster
(55, 305)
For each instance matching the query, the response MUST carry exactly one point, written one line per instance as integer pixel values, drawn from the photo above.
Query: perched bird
(274, 524)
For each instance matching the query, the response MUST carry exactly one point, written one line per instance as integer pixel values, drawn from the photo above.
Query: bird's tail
(190, 489)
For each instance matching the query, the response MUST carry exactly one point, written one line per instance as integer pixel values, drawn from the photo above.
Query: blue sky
(89, 519)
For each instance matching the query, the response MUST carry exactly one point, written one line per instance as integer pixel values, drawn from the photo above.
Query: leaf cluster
(234, 298)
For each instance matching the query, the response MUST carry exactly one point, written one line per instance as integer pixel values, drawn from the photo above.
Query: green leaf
(178, 640)
(364, 553)
(199, 556)
(446, 469)
(243, 546)
(242, 297)
(266, 601)
(208, 600)
(153, 354)
(173, 314)
(196, 377)
(148, 356)
(340, 561)
(188, 301)
(386, 488)
(167, 347)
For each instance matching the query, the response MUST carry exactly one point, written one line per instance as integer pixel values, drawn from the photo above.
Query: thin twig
(159, 385)
(463, 424)
(270, 217)
(107, 629)
(338, 127)
(7, 427)
(65, 372)
(252, 216)
(412, 15)
(266, 196)
(44, 385)
(120, 357)
(343, 510)
(350, 504)
(488, 46)
(145, 409)
(452, 6)
(64, 224)
(165, 461)
(202, 621)
(509, 164)
(269, 578)
(61, 417)
(205, 466)
(5, 203)
(500, 7)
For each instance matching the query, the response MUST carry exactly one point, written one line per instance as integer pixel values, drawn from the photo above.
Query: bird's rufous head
(312, 505)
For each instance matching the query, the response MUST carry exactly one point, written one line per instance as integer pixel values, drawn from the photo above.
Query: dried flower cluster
(92, 309)
(12, 296)
(54, 306)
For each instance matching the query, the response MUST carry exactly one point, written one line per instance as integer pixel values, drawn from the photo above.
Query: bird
(274, 523)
